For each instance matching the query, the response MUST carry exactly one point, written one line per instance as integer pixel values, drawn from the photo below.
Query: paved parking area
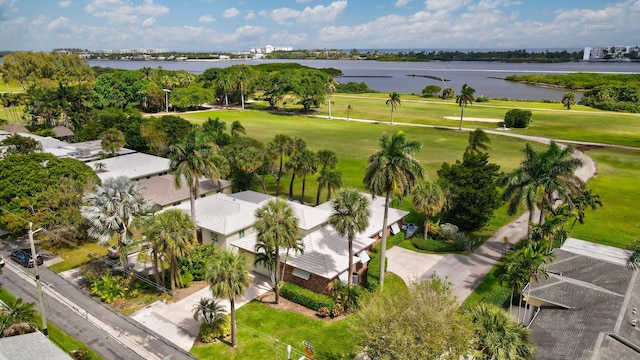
(410, 265)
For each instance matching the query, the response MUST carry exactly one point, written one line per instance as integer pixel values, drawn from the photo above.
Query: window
(241, 234)
(301, 274)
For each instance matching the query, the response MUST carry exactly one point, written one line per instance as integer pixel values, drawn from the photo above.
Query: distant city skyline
(238, 25)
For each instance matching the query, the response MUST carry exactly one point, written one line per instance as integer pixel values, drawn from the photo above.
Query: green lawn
(57, 336)
(260, 326)
(75, 257)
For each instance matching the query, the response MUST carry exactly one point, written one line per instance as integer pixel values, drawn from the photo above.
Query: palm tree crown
(428, 198)
(392, 168)
(394, 101)
(465, 97)
(174, 231)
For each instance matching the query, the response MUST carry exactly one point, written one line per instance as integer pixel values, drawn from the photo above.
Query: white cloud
(250, 16)
(206, 19)
(149, 22)
(318, 13)
(445, 5)
(120, 12)
(401, 3)
(6, 8)
(231, 13)
(64, 4)
(484, 5)
(302, 1)
(250, 31)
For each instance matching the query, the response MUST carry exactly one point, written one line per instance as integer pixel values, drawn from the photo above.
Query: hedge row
(305, 297)
(437, 245)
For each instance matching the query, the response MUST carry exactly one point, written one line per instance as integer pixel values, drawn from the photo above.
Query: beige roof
(162, 190)
(326, 253)
(62, 131)
(222, 214)
(15, 128)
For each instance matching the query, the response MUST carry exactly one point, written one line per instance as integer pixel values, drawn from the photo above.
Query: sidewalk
(175, 320)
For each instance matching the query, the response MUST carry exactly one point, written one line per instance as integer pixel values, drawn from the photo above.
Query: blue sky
(237, 25)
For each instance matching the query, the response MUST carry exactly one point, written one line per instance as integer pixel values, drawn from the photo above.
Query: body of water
(386, 76)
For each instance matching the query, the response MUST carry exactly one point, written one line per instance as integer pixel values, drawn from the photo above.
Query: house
(30, 346)
(134, 166)
(588, 308)
(228, 221)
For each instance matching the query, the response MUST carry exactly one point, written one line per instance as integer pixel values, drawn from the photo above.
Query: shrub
(80, 354)
(448, 231)
(337, 310)
(218, 329)
(196, 264)
(94, 271)
(305, 297)
(431, 90)
(324, 311)
(499, 297)
(516, 118)
(395, 239)
(482, 99)
(437, 245)
(185, 279)
(108, 288)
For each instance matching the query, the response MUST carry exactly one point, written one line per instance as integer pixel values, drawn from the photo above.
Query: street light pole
(166, 99)
(34, 257)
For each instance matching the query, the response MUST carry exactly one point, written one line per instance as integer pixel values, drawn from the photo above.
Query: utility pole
(166, 99)
(34, 257)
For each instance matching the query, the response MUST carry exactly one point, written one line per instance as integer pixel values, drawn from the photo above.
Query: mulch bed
(269, 299)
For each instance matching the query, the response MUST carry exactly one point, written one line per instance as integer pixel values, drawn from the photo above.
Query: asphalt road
(108, 333)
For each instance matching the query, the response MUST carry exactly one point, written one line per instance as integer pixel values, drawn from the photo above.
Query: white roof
(221, 213)
(325, 251)
(602, 252)
(252, 197)
(133, 166)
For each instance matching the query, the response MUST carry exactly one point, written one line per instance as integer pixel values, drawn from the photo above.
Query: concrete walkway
(175, 320)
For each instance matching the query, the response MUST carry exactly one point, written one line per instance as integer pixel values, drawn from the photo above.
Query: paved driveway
(410, 265)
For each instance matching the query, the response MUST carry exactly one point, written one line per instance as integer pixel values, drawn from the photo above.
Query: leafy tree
(473, 190)
(392, 169)
(310, 88)
(394, 101)
(112, 140)
(111, 210)
(175, 127)
(478, 141)
(517, 118)
(569, 99)
(422, 322)
(175, 233)
(465, 97)
(23, 145)
(191, 97)
(228, 277)
(192, 159)
(277, 226)
(428, 198)
(448, 93)
(350, 217)
(497, 336)
(431, 90)
(40, 69)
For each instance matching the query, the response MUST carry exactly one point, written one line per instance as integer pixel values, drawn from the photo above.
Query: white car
(1, 262)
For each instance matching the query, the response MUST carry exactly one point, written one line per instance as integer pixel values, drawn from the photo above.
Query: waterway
(412, 77)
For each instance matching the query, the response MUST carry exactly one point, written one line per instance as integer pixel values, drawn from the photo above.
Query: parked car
(25, 258)
(1, 262)
(411, 229)
(112, 252)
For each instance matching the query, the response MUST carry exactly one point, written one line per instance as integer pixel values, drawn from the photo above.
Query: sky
(237, 25)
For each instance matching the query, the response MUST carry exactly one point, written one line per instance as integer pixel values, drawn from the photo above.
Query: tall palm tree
(350, 217)
(332, 179)
(394, 101)
(330, 86)
(465, 97)
(296, 162)
(532, 260)
(277, 226)
(514, 274)
(497, 336)
(327, 159)
(306, 163)
(228, 277)
(147, 223)
(191, 160)
(112, 209)
(174, 231)
(428, 198)
(478, 142)
(225, 83)
(392, 169)
(581, 201)
(281, 145)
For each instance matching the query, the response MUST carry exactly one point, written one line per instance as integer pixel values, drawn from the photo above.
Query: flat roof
(133, 166)
(161, 189)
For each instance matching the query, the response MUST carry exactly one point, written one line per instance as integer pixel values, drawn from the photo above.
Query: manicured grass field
(78, 256)
(260, 326)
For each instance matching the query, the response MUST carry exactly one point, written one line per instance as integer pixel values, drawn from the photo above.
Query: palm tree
(265, 256)
(174, 231)
(581, 201)
(330, 86)
(296, 162)
(478, 141)
(394, 101)
(112, 140)
(307, 164)
(237, 129)
(277, 226)
(191, 160)
(228, 277)
(281, 145)
(497, 336)
(531, 259)
(428, 198)
(112, 209)
(569, 99)
(14, 313)
(225, 83)
(332, 179)
(209, 310)
(327, 159)
(392, 169)
(350, 217)
(465, 97)
(146, 223)
(540, 177)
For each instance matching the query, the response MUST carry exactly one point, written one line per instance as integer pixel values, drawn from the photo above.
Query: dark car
(23, 257)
